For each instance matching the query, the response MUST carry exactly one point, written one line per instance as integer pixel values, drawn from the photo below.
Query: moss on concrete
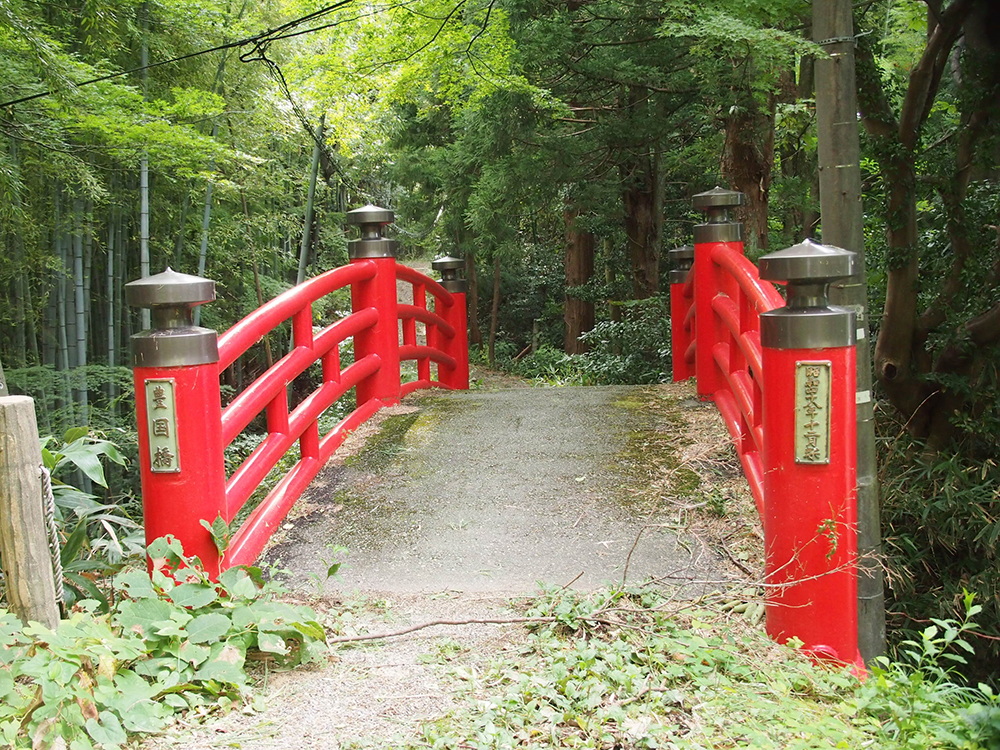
(653, 450)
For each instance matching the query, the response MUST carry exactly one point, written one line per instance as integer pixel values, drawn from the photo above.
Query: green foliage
(632, 350)
(175, 643)
(920, 700)
(615, 669)
(96, 536)
(941, 538)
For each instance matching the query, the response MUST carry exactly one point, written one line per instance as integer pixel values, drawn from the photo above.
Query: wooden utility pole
(842, 222)
(24, 547)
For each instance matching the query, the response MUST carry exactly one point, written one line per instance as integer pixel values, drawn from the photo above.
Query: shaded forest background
(555, 145)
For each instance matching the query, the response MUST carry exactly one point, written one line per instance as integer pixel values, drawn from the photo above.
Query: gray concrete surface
(490, 492)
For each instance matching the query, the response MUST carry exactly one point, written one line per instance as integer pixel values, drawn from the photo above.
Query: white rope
(50, 519)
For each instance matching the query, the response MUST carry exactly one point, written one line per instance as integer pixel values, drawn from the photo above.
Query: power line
(257, 40)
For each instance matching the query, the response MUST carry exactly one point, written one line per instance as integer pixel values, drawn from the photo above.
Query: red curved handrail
(242, 409)
(263, 320)
(425, 316)
(413, 276)
(763, 294)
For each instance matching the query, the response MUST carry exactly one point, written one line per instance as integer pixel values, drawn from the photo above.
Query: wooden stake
(24, 549)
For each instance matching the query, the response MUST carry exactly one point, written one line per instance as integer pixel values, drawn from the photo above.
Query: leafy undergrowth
(173, 644)
(635, 670)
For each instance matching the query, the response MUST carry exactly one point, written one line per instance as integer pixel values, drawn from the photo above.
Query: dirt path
(453, 511)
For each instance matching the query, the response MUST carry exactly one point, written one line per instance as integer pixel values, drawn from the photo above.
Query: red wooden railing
(782, 378)
(184, 431)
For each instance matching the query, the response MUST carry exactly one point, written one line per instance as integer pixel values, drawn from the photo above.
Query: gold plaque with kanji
(161, 421)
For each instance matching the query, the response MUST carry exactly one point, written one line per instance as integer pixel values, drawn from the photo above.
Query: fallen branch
(434, 623)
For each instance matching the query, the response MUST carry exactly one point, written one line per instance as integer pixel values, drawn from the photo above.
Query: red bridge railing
(184, 429)
(781, 374)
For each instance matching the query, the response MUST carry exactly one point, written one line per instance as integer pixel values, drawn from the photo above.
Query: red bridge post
(809, 455)
(178, 414)
(456, 316)
(719, 229)
(378, 293)
(681, 330)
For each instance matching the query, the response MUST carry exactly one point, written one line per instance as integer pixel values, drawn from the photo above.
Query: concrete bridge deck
(496, 491)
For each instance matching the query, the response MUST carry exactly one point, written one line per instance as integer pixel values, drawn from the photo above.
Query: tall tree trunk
(642, 200)
(475, 335)
(32, 333)
(902, 358)
(494, 310)
(206, 218)
(80, 308)
(748, 158)
(111, 313)
(182, 226)
(310, 198)
(63, 333)
(144, 315)
(797, 168)
(578, 260)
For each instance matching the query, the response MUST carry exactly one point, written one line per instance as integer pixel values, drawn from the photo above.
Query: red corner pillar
(378, 292)
(178, 414)
(809, 455)
(456, 315)
(681, 332)
(719, 229)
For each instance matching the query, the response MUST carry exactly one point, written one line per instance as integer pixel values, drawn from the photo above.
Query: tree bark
(748, 159)
(901, 358)
(642, 200)
(475, 335)
(310, 197)
(494, 311)
(578, 259)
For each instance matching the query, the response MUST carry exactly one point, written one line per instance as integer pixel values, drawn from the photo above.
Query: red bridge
(781, 375)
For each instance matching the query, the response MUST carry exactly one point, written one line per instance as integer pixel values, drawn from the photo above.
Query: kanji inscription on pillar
(812, 412)
(161, 420)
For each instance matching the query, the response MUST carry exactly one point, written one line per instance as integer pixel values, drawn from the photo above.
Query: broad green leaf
(6, 685)
(89, 588)
(72, 546)
(224, 665)
(271, 643)
(311, 629)
(193, 654)
(220, 531)
(108, 732)
(193, 595)
(136, 584)
(84, 457)
(143, 616)
(208, 628)
(239, 584)
(75, 433)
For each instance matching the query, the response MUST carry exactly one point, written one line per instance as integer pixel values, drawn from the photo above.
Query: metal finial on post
(370, 219)
(173, 340)
(808, 321)
(717, 204)
(449, 269)
(682, 258)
